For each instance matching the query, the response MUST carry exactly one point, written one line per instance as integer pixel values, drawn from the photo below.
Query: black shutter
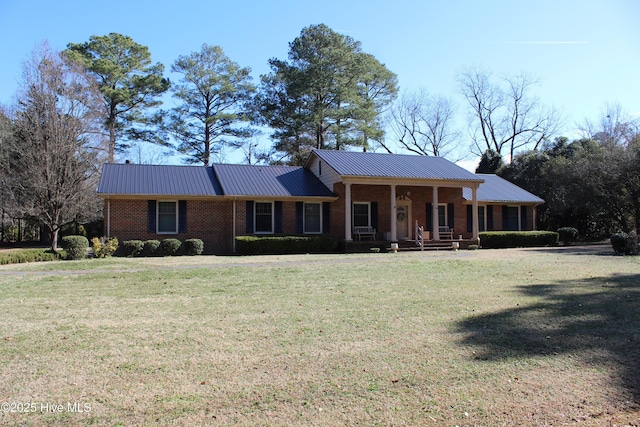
(469, 218)
(450, 216)
(505, 217)
(374, 215)
(489, 214)
(326, 217)
(299, 217)
(429, 225)
(523, 218)
(151, 216)
(249, 217)
(182, 216)
(277, 206)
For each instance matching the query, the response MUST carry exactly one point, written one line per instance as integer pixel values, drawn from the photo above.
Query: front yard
(475, 338)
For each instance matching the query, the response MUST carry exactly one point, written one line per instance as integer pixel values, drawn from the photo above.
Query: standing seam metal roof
(160, 180)
(497, 189)
(269, 181)
(352, 163)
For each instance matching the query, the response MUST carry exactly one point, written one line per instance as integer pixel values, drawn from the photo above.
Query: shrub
(625, 244)
(132, 248)
(473, 247)
(171, 246)
(27, 255)
(76, 246)
(151, 247)
(252, 245)
(104, 247)
(567, 235)
(193, 246)
(517, 239)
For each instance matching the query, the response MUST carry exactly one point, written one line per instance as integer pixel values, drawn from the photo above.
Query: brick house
(336, 193)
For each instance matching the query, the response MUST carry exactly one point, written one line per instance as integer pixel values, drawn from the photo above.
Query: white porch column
(474, 211)
(435, 224)
(347, 212)
(394, 221)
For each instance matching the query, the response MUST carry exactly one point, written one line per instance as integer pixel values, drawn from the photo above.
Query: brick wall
(207, 220)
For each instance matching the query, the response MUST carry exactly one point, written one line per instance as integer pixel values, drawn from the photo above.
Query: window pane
(513, 215)
(312, 218)
(481, 220)
(167, 217)
(264, 222)
(361, 215)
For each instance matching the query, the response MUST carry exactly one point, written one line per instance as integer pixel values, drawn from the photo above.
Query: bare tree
(53, 173)
(423, 124)
(504, 117)
(613, 127)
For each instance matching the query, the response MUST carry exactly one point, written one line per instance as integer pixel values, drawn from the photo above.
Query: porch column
(347, 212)
(435, 224)
(394, 220)
(474, 211)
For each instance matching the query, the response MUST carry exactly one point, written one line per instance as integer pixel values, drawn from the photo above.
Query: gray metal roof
(160, 180)
(352, 163)
(497, 189)
(269, 181)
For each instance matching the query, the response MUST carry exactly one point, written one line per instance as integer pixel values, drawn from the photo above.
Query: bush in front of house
(132, 248)
(27, 255)
(567, 235)
(104, 247)
(253, 245)
(193, 247)
(625, 243)
(151, 247)
(75, 246)
(171, 246)
(517, 239)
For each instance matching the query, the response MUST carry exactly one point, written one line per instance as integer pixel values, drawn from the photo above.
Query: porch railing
(419, 237)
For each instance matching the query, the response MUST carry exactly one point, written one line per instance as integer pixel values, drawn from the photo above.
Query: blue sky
(584, 53)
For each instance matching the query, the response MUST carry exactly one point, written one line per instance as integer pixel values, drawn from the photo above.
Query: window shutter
(299, 217)
(151, 216)
(505, 217)
(182, 216)
(249, 216)
(469, 218)
(429, 225)
(374, 215)
(489, 217)
(450, 215)
(523, 218)
(277, 217)
(326, 217)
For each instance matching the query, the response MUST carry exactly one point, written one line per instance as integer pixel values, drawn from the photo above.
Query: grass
(486, 338)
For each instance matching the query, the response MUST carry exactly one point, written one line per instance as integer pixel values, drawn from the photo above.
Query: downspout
(108, 217)
(234, 225)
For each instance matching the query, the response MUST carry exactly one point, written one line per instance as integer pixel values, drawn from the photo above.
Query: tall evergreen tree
(130, 86)
(329, 94)
(213, 93)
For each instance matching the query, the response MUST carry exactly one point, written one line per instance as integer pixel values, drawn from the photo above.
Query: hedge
(27, 255)
(132, 248)
(253, 245)
(517, 239)
(193, 246)
(171, 246)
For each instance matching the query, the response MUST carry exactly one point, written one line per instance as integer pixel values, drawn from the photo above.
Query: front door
(402, 221)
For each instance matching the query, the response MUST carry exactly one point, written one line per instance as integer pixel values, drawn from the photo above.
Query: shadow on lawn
(597, 320)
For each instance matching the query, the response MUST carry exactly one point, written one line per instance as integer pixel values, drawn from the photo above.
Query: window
(512, 218)
(442, 215)
(167, 217)
(264, 217)
(361, 217)
(481, 219)
(312, 218)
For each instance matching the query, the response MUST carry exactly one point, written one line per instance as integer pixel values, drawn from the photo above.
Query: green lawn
(474, 338)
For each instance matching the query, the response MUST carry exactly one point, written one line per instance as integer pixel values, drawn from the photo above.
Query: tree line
(91, 102)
